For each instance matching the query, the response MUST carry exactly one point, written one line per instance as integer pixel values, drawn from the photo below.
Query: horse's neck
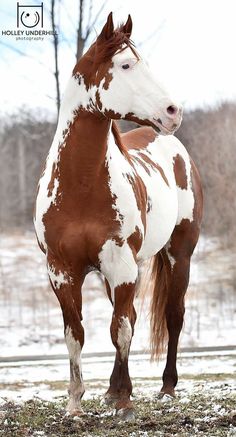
(79, 133)
(84, 149)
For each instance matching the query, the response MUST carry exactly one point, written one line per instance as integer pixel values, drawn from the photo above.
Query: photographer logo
(30, 24)
(29, 16)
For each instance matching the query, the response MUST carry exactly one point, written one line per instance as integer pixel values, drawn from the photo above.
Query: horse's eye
(125, 66)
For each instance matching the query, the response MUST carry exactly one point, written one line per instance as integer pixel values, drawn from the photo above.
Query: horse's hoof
(126, 414)
(165, 397)
(75, 412)
(110, 400)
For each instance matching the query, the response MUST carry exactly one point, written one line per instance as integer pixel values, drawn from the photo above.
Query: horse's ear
(127, 27)
(108, 29)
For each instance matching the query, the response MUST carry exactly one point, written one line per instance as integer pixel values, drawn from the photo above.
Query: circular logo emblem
(30, 19)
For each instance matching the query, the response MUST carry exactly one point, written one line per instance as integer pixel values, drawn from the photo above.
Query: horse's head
(120, 85)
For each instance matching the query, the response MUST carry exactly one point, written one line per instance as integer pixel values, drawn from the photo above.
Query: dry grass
(209, 413)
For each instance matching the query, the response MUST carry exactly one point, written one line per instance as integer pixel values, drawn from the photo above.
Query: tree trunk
(22, 179)
(55, 44)
(80, 39)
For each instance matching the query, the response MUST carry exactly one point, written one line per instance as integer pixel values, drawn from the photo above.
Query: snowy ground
(48, 379)
(31, 320)
(33, 398)
(33, 393)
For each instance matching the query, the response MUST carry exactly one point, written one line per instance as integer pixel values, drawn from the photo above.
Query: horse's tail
(159, 333)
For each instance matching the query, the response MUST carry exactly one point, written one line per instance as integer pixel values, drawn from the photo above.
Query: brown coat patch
(86, 217)
(180, 172)
(138, 138)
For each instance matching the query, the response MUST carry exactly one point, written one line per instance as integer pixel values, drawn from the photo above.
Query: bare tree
(84, 30)
(55, 45)
(210, 137)
(86, 23)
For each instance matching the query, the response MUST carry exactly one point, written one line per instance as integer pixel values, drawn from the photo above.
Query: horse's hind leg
(176, 255)
(67, 288)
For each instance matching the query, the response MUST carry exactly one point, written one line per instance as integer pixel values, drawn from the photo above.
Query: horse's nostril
(172, 110)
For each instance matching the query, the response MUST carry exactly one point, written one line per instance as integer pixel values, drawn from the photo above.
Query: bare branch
(155, 34)
(89, 14)
(80, 39)
(81, 17)
(89, 28)
(69, 17)
(20, 52)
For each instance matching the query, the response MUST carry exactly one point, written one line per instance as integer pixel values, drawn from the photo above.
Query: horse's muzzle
(169, 122)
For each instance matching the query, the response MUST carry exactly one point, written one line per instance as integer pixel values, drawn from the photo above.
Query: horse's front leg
(122, 328)
(67, 288)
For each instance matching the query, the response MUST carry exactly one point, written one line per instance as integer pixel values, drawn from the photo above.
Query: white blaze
(133, 90)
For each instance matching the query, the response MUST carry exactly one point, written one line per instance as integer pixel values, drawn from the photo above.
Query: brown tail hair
(158, 332)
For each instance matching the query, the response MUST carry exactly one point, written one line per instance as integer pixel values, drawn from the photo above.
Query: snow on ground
(49, 379)
(31, 319)
(31, 323)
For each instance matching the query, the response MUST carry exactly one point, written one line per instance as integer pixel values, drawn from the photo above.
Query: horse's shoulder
(138, 138)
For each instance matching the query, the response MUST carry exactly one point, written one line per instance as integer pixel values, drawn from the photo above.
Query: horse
(109, 202)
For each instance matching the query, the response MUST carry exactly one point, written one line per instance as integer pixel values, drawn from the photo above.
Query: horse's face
(134, 94)
(121, 84)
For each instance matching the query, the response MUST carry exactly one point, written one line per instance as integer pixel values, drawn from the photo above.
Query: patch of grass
(199, 415)
(207, 376)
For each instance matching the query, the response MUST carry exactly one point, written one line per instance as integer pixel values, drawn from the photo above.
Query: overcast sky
(190, 45)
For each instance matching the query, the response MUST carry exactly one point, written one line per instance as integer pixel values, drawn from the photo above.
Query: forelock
(105, 49)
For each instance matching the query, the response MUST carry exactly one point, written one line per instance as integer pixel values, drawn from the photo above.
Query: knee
(74, 342)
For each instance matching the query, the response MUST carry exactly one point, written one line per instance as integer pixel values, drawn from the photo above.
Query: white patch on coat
(169, 203)
(170, 257)
(117, 264)
(75, 96)
(186, 204)
(58, 279)
(169, 147)
(124, 336)
(134, 90)
(76, 383)
(161, 218)
(74, 347)
(125, 204)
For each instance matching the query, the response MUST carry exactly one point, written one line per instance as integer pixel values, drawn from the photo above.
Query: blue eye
(125, 66)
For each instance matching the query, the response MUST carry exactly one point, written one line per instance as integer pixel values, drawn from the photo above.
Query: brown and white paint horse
(109, 201)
